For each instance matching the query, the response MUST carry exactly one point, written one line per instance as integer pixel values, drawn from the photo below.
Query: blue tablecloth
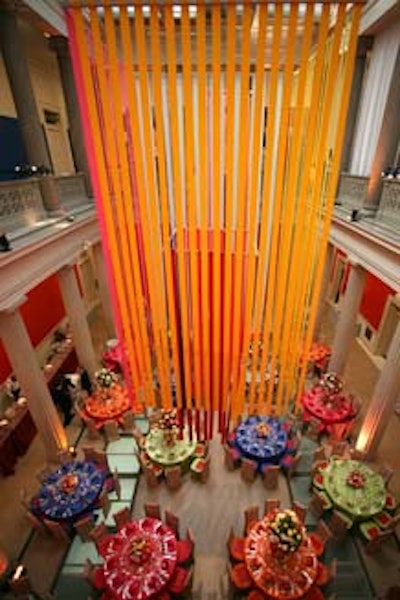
(55, 502)
(262, 449)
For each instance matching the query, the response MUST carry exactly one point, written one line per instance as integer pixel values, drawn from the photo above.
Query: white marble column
(383, 400)
(346, 325)
(104, 290)
(324, 286)
(24, 362)
(77, 319)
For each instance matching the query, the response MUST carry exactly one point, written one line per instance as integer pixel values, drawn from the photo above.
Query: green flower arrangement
(286, 532)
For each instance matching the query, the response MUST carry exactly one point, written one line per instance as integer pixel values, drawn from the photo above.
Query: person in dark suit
(85, 381)
(61, 393)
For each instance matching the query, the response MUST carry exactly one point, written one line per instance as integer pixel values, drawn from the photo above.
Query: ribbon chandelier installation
(214, 133)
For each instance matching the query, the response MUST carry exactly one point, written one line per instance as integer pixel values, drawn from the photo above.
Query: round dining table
(108, 403)
(284, 578)
(261, 438)
(140, 559)
(165, 448)
(69, 492)
(328, 410)
(354, 488)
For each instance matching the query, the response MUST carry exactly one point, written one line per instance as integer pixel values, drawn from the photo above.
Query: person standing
(13, 388)
(85, 381)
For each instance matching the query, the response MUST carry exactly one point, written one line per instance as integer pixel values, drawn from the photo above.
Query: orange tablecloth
(286, 579)
(113, 406)
(131, 577)
(337, 410)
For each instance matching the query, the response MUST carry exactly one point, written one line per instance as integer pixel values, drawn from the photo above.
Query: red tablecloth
(336, 410)
(285, 579)
(15, 440)
(130, 576)
(113, 406)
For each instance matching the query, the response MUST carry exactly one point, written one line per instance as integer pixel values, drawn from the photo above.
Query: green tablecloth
(168, 455)
(361, 502)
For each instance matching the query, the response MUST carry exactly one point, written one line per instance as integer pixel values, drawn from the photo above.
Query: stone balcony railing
(22, 205)
(352, 191)
(389, 205)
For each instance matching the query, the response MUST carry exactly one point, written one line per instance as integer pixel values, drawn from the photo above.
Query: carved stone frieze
(20, 204)
(352, 190)
(72, 191)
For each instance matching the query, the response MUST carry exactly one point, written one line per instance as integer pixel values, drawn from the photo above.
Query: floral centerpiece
(262, 430)
(286, 533)
(168, 423)
(105, 378)
(140, 550)
(331, 383)
(356, 479)
(68, 483)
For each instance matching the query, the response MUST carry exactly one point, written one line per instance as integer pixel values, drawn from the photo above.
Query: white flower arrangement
(105, 378)
(286, 531)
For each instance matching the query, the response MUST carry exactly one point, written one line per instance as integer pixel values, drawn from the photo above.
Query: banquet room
(199, 309)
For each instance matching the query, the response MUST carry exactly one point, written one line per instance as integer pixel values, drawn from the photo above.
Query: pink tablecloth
(134, 574)
(336, 410)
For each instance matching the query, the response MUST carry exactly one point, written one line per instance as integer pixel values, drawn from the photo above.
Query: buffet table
(284, 575)
(15, 438)
(262, 439)
(69, 492)
(354, 488)
(140, 559)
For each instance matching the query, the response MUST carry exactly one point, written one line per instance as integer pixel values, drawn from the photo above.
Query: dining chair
(239, 577)
(151, 476)
(270, 476)
(235, 546)
(319, 502)
(64, 456)
(339, 448)
(99, 457)
(300, 510)
(122, 517)
(173, 477)
(128, 421)
(83, 527)
(320, 537)
(111, 431)
(172, 521)
(152, 510)
(232, 457)
(386, 472)
(248, 470)
(43, 473)
(251, 516)
(92, 429)
(57, 530)
(36, 523)
(375, 544)
(94, 575)
(185, 549)
(320, 453)
(104, 502)
(339, 524)
(200, 469)
(290, 463)
(181, 581)
(271, 504)
(356, 454)
(100, 536)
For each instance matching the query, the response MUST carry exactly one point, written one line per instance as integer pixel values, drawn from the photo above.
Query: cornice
(376, 254)
(24, 268)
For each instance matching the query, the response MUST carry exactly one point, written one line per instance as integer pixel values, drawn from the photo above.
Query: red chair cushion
(236, 548)
(313, 593)
(256, 595)
(198, 465)
(317, 543)
(322, 574)
(184, 549)
(241, 577)
(177, 583)
(390, 503)
(231, 438)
